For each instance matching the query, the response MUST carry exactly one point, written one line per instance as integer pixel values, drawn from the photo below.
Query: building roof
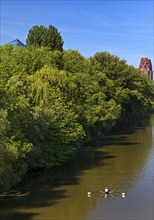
(17, 43)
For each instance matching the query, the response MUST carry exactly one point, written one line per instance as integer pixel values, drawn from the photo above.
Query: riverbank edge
(120, 125)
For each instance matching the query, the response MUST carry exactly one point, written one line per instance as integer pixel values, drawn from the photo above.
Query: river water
(123, 162)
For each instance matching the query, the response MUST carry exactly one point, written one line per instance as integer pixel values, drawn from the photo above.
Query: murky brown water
(124, 163)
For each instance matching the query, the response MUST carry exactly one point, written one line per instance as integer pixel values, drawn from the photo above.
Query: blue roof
(17, 43)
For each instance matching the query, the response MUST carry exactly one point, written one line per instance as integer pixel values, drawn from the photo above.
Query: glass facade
(17, 43)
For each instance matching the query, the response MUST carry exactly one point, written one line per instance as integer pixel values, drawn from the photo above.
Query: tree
(74, 62)
(45, 36)
(57, 128)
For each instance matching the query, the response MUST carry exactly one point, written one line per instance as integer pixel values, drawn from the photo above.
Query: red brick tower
(146, 67)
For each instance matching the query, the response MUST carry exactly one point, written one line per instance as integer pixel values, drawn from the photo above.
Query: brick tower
(146, 67)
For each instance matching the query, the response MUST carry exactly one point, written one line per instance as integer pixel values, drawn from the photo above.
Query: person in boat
(106, 190)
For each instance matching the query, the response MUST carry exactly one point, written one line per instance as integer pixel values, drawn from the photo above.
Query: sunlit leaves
(52, 101)
(74, 62)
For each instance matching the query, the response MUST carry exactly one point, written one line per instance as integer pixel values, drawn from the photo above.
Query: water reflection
(118, 162)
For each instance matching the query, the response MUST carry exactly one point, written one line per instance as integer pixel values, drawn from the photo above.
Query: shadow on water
(119, 136)
(41, 187)
(119, 139)
(17, 216)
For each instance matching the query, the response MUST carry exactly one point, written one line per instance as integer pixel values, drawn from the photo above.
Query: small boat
(106, 194)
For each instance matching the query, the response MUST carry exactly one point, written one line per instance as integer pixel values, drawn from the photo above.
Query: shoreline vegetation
(54, 101)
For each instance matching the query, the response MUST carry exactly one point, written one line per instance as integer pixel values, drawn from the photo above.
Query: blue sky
(123, 28)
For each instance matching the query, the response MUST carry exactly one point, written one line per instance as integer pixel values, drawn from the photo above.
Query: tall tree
(46, 37)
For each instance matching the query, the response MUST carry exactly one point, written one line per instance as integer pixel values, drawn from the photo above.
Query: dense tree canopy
(74, 62)
(52, 102)
(41, 36)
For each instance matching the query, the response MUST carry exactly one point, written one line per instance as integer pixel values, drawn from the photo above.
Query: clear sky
(123, 28)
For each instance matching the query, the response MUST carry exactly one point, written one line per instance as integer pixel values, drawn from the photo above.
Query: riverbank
(106, 138)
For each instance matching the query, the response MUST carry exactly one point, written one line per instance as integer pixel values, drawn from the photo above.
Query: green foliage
(12, 168)
(26, 61)
(51, 102)
(74, 62)
(62, 131)
(41, 36)
(126, 85)
(4, 123)
(96, 112)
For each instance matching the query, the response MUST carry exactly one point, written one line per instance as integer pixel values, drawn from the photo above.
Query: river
(123, 162)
